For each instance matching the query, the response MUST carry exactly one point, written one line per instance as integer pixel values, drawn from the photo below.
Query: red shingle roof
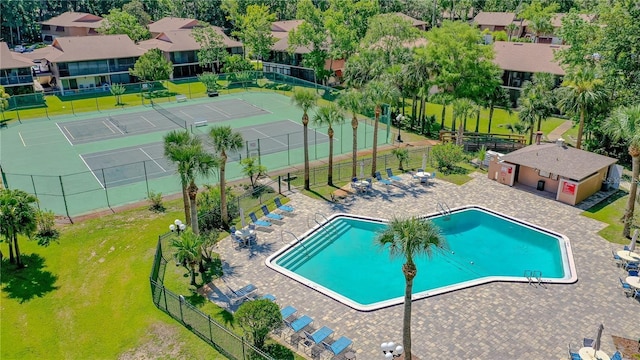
(172, 23)
(494, 18)
(12, 60)
(75, 19)
(527, 57)
(82, 48)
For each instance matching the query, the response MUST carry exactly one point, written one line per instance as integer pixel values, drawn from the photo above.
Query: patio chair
(337, 346)
(257, 222)
(633, 272)
(628, 290)
(586, 342)
(631, 265)
(391, 176)
(370, 185)
(315, 338)
(242, 294)
(237, 240)
(285, 208)
(381, 180)
(616, 356)
(574, 355)
(273, 216)
(618, 260)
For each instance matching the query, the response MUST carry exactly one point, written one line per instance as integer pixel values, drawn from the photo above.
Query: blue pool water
(343, 258)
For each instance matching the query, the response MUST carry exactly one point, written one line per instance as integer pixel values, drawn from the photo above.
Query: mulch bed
(630, 349)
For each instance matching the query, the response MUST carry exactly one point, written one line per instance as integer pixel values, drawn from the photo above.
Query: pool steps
(313, 245)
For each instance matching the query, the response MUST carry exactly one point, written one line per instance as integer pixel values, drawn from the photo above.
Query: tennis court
(142, 163)
(160, 118)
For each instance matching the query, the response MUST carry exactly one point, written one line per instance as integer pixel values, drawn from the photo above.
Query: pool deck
(491, 321)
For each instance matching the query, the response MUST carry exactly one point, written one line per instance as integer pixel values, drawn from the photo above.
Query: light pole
(400, 119)
(390, 350)
(177, 227)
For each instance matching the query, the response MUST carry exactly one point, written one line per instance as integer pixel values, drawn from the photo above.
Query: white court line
(69, 132)
(109, 127)
(145, 119)
(114, 125)
(63, 134)
(152, 159)
(218, 111)
(187, 115)
(21, 139)
(92, 172)
(267, 136)
(109, 153)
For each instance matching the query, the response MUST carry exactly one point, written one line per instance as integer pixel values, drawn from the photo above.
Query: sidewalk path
(557, 132)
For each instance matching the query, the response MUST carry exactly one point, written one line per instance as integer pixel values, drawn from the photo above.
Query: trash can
(540, 185)
(605, 186)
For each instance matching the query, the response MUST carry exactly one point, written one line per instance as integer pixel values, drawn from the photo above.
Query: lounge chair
(298, 324)
(316, 338)
(288, 312)
(285, 208)
(273, 216)
(337, 346)
(242, 294)
(269, 297)
(255, 220)
(380, 179)
(391, 176)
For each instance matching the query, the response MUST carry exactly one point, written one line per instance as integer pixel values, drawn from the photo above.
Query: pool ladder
(325, 225)
(534, 277)
(443, 209)
(282, 232)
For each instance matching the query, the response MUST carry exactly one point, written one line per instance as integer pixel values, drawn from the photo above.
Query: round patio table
(633, 281)
(628, 255)
(589, 353)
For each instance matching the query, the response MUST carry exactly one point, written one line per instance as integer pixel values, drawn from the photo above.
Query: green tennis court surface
(79, 164)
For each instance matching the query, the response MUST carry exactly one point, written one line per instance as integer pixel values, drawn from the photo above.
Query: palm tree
(624, 125)
(461, 109)
(352, 101)
(378, 92)
(581, 90)
(409, 238)
(510, 29)
(192, 160)
(537, 101)
(225, 140)
(305, 100)
(443, 99)
(188, 251)
(17, 217)
(174, 143)
(498, 97)
(329, 115)
(539, 26)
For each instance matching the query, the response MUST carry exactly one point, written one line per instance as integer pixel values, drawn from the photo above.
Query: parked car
(19, 48)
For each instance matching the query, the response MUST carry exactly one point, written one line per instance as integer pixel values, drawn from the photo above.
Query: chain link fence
(215, 334)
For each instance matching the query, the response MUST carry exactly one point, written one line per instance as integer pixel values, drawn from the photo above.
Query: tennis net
(169, 115)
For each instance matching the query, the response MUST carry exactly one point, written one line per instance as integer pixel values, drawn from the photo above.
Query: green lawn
(88, 297)
(610, 212)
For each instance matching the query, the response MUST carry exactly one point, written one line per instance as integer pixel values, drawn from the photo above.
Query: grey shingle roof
(561, 160)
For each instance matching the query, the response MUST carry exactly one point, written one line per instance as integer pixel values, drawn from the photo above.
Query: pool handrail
(282, 232)
(324, 224)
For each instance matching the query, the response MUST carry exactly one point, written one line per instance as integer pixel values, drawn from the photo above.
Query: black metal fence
(215, 334)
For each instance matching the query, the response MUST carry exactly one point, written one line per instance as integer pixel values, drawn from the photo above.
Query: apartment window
(46, 27)
(59, 28)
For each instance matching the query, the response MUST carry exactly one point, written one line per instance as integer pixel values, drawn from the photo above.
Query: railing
(325, 225)
(443, 209)
(282, 232)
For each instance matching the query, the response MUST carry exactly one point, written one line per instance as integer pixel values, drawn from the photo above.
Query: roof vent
(560, 142)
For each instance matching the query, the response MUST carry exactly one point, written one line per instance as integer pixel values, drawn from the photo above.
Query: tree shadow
(279, 351)
(29, 282)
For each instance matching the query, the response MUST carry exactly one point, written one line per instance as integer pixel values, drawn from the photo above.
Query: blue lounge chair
(381, 180)
(616, 356)
(574, 355)
(316, 338)
(242, 294)
(285, 208)
(270, 215)
(288, 312)
(337, 346)
(269, 297)
(255, 220)
(391, 176)
(298, 324)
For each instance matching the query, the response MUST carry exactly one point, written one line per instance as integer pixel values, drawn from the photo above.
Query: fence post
(315, 142)
(180, 300)
(35, 192)
(4, 178)
(146, 179)
(46, 112)
(106, 192)
(210, 332)
(279, 184)
(64, 198)
(97, 105)
(73, 110)
(288, 150)
(289, 181)
(164, 291)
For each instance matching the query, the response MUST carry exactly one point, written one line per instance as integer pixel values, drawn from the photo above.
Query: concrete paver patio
(491, 321)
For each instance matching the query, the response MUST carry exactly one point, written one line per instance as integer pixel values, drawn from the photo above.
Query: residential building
(556, 22)
(181, 48)
(418, 24)
(15, 71)
(496, 21)
(171, 23)
(70, 24)
(80, 63)
(519, 61)
(280, 60)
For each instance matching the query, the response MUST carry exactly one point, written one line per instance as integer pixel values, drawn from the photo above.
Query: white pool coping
(568, 264)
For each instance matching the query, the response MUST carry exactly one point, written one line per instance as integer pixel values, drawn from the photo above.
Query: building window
(46, 27)
(59, 28)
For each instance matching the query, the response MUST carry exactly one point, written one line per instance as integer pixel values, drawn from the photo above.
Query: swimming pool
(341, 259)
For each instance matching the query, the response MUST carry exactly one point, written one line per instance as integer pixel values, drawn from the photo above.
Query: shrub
(447, 156)
(47, 232)
(209, 217)
(156, 202)
(402, 154)
(257, 318)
